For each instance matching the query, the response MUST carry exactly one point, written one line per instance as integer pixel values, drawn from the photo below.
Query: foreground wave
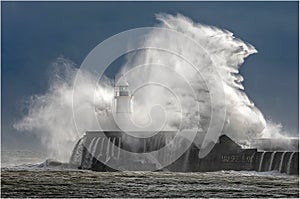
(47, 182)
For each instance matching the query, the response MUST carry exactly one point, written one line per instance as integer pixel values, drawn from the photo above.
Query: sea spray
(50, 114)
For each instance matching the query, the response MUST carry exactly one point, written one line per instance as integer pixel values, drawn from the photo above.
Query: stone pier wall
(226, 154)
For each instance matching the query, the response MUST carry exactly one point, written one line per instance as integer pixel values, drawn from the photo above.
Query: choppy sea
(27, 174)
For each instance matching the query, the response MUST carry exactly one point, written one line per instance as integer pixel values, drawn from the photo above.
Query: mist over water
(50, 114)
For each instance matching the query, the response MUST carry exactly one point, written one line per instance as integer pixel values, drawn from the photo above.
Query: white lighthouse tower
(123, 105)
(123, 98)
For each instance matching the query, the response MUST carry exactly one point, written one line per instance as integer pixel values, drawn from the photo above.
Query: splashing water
(50, 115)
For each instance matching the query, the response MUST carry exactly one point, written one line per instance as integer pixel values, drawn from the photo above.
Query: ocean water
(53, 179)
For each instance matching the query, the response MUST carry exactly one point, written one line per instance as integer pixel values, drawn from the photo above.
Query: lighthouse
(123, 98)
